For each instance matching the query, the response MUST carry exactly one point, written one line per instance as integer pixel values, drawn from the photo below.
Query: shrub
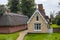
(58, 22)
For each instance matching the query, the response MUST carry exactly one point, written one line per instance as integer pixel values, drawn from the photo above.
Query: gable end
(34, 14)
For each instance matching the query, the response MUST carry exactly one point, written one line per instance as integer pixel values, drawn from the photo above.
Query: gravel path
(21, 35)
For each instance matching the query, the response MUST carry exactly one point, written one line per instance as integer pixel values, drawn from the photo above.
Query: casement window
(37, 18)
(37, 26)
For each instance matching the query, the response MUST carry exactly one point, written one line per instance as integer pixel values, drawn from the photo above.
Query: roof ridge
(14, 14)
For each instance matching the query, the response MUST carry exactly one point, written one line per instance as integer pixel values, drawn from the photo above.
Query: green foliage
(27, 7)
(55, 26)
(58, 18)
(53, 21)
(13, 4)
(58, 21)
(2, 9)
(24, 6)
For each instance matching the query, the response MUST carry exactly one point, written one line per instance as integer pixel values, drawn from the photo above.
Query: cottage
(38, 23)
(11, 22)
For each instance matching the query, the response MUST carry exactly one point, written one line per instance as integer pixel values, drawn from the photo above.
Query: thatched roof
(12, 19)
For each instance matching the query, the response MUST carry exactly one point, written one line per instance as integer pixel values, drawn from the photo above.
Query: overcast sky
(49, 5)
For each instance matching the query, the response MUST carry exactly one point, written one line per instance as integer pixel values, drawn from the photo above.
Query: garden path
(22, 34)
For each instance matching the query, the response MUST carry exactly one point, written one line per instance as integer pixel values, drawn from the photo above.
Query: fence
(56, 30)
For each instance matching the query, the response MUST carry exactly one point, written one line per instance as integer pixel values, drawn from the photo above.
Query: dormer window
(37, 18)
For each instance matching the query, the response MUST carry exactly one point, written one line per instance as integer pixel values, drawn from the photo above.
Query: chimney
(40, 8)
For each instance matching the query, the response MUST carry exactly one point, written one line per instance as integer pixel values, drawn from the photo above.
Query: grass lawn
(12, 36)
(53, 36)
(55, 26)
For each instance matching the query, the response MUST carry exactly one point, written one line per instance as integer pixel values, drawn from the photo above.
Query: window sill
(37, 30)
(37, 22)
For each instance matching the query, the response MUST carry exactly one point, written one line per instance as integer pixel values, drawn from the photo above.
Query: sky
(49, 5)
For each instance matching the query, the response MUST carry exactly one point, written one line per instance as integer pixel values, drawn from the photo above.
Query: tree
(59, 3)
(27, 7)
(2, 9)
(13, 5)
(58, 18)
(52, 19)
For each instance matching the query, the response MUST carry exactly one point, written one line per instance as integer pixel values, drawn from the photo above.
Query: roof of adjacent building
(12, 19)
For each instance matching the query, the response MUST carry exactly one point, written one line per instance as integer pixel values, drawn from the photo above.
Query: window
(37, 26)
(37, 18)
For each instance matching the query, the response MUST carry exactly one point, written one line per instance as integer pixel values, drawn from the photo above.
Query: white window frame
(38, 27)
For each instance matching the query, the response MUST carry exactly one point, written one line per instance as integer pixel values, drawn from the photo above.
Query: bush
(53, 21)
(58, 22)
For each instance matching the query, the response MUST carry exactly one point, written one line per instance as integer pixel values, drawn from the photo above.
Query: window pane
(37, 18)
(37, 26)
